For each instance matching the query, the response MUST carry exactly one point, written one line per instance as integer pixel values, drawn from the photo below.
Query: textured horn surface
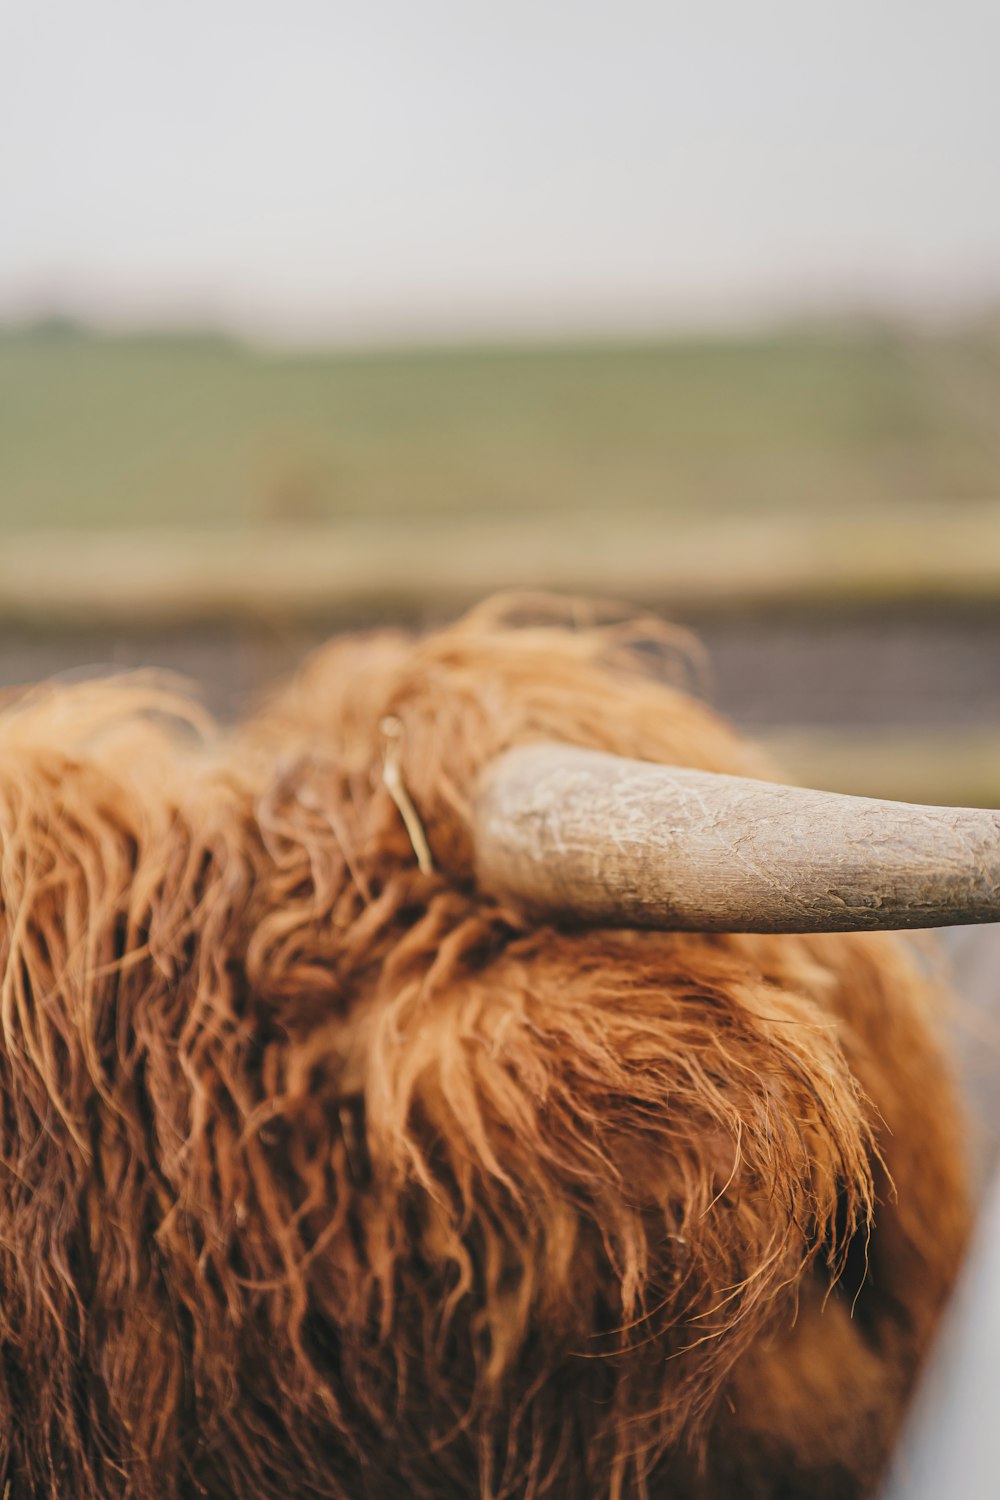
(580, 834)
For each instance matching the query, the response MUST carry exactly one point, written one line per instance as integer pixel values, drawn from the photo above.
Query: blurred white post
(951, 1442)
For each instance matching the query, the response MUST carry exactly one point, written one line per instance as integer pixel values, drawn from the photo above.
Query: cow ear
(582, 836)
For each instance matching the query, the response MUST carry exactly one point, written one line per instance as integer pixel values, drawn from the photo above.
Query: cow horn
(586, 836)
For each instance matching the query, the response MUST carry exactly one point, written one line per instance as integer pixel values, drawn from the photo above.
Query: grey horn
(585, 836)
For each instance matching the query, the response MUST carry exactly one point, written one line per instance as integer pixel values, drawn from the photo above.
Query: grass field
(188, 484)
(193, 432)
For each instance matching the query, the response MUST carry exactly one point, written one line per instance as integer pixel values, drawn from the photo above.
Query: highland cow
(327, 1172)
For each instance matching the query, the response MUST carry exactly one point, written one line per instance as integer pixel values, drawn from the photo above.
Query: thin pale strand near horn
(586, 836)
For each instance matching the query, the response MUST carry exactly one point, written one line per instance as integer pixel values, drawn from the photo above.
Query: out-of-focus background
(315, 314)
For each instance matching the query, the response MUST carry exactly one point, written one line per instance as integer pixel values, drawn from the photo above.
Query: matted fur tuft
(323, 1176)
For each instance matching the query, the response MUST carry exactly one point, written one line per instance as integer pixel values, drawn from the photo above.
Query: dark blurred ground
(933, 670)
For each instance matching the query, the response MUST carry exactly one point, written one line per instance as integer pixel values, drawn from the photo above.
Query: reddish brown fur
(320, 1176)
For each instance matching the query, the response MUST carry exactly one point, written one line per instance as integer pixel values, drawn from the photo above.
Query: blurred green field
(198, 432)
(192, 486)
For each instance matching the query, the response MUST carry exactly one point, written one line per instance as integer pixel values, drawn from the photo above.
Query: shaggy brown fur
(320, 1176)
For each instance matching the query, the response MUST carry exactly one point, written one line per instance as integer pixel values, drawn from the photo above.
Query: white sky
(398, 167)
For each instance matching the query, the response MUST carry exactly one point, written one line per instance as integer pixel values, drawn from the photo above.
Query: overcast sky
(412, 167)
